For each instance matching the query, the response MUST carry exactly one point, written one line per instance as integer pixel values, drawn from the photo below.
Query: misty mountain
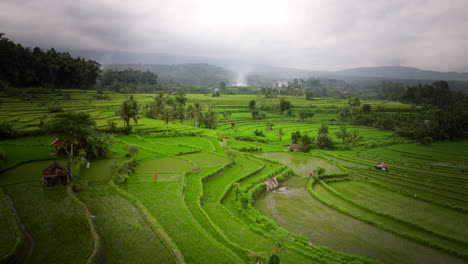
(185, 74)
(211, 71)
(398, 72)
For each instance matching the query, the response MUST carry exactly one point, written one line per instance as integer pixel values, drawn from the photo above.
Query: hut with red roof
(55, 174)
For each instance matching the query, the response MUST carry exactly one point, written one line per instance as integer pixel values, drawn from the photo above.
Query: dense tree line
(443, 114)
(135, 80)
(307, 143)
(174, 107)
(188, 74)
(33, 67)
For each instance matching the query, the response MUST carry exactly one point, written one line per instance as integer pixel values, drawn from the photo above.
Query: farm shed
(295, 147)
(55, 174)
(381, 166)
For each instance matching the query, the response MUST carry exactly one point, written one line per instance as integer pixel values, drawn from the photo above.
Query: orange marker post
(155, 177)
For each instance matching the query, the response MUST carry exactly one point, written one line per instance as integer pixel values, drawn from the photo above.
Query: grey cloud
(321, 34)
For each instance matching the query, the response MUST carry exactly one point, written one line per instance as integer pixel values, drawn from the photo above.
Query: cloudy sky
(315, 34)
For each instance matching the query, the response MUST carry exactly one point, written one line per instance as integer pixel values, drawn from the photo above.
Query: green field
(116, 217)
(209, 203)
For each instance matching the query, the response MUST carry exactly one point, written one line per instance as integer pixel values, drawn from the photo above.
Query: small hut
(58, 142)
(295, 147)
(55, 174)
(381, 166)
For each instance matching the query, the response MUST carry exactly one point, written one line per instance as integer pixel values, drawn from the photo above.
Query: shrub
(132, 150)
(2, 155)
(259, 133)
(56, 110)
(7, 130)
(250, 149)
(273, 259)
(320, 171)
(78, 188)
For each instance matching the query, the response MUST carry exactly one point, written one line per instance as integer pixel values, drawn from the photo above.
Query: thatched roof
(55, 169)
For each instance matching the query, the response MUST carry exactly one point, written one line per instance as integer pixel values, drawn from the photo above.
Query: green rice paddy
(205, 206)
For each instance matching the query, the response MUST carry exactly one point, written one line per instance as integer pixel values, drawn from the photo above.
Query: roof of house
(295, 146)
(382, 164)
(58, 142)
(55, 169)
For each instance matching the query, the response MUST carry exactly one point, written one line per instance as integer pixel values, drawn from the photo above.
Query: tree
(210, 118)
(231, 154)
(354, 138)
(323, 141)
(195, 113)
(74, 128)
(307, 143)
(295, 137)
(366, 108)
(305, 115)
(132, 150)
(323, 129)
(320, 171)
(284, 105)
(256, 114)
(129, 111)
(354, 101)
(97, 144)
(180, 98)
(226, 115)
(7, 130)
(33, 67)
(309, 94)
(259, 133)
(343, 133)
(222, 86)
(273, 259)
(252, 104)
(281, 242)
(168, 116)
(281, 133)
(269, 126)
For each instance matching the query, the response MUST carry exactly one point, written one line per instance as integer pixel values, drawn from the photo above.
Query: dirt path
(28, 245)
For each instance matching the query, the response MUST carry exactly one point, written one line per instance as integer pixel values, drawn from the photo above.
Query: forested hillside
(185, 74)
(33, 67)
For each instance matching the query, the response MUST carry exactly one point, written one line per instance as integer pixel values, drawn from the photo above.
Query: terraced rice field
(209, 207)
(117, 218)
(326, 215)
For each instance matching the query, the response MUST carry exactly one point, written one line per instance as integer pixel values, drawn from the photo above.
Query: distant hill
(398, 72)
(185, 74)
(390, 72)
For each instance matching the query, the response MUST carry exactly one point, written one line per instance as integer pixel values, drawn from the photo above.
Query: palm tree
(168, 116)
(343, 134)
(129, 111)
(280, 134)
(195, 113)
